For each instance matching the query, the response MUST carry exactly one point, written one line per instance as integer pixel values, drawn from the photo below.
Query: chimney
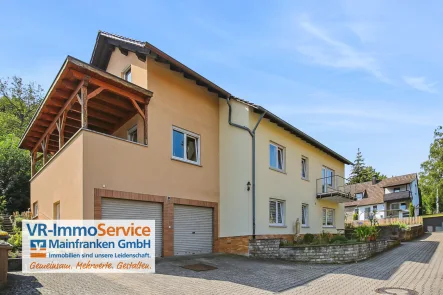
(374, 179)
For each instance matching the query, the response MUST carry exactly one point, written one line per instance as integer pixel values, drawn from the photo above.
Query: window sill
(305, 226)
(328, 226)
(305, 179)
(34, 217)
(186, 162)
(278, 170)
(278, 225)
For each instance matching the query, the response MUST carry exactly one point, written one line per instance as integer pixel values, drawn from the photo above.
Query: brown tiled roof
(376, 192)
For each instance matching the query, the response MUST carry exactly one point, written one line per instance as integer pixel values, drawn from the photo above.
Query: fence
(388, 221)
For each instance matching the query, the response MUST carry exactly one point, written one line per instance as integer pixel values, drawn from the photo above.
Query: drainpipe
(252, 133)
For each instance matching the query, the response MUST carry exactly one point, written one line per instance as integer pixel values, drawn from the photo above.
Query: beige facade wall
(61, 181)
(235, 167)
(124, 166)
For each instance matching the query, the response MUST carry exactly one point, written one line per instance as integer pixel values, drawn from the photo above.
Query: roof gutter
(252, 133)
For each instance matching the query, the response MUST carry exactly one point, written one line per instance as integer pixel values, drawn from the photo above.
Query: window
(356, 211)
(396, 190)
(374, 208)
(304, 215)
(56, 212)
(304, 168)
(35, 209)
(132, 134)
(276, 157)
(276, 212)
(328, 217)
(185, 146)
(367, 212)
(127, 75)
(359, 196)
(403, 206)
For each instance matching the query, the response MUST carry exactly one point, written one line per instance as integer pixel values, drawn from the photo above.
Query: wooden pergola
(82, 97)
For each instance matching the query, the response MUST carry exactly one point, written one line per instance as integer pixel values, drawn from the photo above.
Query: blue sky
(352, 74)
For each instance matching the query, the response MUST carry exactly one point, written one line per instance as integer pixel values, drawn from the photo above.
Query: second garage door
(127, 209)
(192, 230)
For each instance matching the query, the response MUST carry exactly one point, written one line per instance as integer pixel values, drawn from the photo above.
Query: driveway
(414, 265)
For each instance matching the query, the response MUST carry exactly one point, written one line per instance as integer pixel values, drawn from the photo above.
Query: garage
(128, 209)
(192, 230)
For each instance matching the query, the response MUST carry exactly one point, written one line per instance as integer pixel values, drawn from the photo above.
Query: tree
(362, 173)
(18, 103)
(431, 176)
(14, 174)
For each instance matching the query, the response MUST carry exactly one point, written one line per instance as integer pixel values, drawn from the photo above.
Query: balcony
(397, 196)
(334, 189)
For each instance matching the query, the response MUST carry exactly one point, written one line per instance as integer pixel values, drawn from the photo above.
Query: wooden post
(33, 154)
(45, 143)
(145, 119)
(61, 130)
(84, 99)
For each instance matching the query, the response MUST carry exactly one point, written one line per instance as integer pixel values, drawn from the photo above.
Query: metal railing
(335, 184)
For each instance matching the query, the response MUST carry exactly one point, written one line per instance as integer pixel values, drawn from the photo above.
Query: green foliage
(308, 238)
(18, 222)
(18, 103)
(362, 173)
(16, 240)
(431, 176)
(411, 210)
(401, 225)
(338, 239)
(365, 233)
(2, 205)
(14, 174)
(324, 237)
(355, 216)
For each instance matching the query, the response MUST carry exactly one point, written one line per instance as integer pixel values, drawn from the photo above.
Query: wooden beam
(145, 121)
(33, 160)
(123, 51)
(137, 107)
(107, 109)
(69, 84)
(95, 92)
(67, 103)
(109, 87)
(61, 122)
(123, 104)
(45, 144)
(84, 99)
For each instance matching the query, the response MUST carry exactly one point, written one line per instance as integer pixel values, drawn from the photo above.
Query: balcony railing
(334, 188)
(397, 196)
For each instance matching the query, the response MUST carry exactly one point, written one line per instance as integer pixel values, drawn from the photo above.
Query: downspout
(252, 133)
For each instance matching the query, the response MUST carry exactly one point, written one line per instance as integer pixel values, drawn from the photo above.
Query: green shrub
(402, 225)
(411, 210)
(16, 240)
(18, 222)
(366, 233)
(308, 238)
(338, 239)
(355, 216)
(324, 237)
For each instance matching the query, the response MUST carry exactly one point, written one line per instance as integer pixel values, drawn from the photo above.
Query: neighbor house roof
(106, 43)
(375, 192)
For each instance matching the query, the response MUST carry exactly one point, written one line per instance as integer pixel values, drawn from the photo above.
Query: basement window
(185, 146)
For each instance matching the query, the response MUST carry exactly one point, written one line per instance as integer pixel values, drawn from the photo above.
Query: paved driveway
(415, 265)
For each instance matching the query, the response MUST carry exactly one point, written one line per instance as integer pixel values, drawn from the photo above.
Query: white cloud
(421, 84)
(325, 50)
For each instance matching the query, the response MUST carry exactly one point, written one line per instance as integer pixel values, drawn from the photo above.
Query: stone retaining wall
(318, 253)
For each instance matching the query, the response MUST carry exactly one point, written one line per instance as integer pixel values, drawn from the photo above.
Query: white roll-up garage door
(128, 209)
(192, 230)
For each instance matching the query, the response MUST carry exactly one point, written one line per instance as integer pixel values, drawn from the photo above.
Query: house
(135, 134)
(388, 198)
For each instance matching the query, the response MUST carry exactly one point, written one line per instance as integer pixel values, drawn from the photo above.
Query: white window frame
(325, 211)
(131, 130)
(277, 214)
(306, 164)
(127, 70)
(283, 153)
(306, 224)
(359, 194)
(55, 215)
(35, 209)
(185, 155)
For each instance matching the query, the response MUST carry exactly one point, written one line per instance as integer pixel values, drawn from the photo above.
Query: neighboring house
(135, 134)
(388, 198)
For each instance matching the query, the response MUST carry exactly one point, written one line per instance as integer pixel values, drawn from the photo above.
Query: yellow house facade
(135, 134)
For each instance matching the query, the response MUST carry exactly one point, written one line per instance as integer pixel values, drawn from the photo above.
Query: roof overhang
(115, 101)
